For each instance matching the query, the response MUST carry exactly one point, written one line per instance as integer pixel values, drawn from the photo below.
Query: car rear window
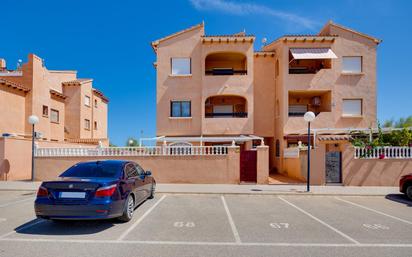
(94, 169)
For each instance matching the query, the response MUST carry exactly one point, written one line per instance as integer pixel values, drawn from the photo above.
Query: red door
(248, 166)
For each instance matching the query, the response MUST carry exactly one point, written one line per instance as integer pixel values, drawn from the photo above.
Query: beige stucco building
(69, 108)
(219, 86)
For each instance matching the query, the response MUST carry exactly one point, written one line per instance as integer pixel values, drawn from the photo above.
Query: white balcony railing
(131, 151)
(385, 152)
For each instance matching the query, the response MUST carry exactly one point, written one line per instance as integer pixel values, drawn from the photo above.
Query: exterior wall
(212, 169)
(15, 159)
(99, 116)
(57, 129)
(12, 120)
(363, 172)
(264, 96)
(179, 87)
(86, 112)
(72, 117)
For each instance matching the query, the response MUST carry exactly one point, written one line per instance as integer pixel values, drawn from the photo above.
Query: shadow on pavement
(399, 198)
(64, 227)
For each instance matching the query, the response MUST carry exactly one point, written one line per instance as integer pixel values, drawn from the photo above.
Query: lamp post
(308, 117)
(33, 120)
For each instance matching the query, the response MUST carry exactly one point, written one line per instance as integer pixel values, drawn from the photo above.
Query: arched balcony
(226, 106)
(225, 63)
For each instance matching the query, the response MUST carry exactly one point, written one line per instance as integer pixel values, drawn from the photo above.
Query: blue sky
(110, 42)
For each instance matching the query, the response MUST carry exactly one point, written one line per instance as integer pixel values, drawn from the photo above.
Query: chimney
(2, 64)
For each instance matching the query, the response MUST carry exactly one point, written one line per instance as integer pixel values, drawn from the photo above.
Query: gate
(333, 167)
(248, 166)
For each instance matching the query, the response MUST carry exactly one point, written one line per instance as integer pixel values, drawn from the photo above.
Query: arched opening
(226, 63)
(226, 106)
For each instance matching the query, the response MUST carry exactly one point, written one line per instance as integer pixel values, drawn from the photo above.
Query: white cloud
(244, 8)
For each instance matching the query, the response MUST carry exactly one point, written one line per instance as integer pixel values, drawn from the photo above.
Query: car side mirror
(148, 173)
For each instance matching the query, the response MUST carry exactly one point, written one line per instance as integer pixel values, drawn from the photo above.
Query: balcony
(226, 115)
(310, 60)
(225, 64)
(316, 101)
(226, 107)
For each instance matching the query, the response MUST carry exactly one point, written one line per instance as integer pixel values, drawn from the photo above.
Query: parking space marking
(231, 222)
(16, 202)
(189, 243)
(124, 234)
(320, 221)
(39, 221)
(373, 210)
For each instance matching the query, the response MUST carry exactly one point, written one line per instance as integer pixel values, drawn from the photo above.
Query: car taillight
(105, 191)
(42, 192)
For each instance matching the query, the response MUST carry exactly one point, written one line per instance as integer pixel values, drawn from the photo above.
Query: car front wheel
(409, 192)
(152, 191)
(128, 209)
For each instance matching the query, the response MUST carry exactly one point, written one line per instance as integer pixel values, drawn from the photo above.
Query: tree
(401, 123)
(132, 142)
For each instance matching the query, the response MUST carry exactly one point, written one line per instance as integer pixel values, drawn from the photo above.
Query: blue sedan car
(95, 190)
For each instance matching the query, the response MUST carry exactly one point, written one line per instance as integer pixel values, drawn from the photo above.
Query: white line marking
(122, 236)
(53, 240)
(373, 210)
(320, 221)
(21, 228)
(2, 219)
(16, 202)
(231, 222)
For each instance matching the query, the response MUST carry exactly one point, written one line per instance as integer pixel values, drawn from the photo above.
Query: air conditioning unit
(316, 101)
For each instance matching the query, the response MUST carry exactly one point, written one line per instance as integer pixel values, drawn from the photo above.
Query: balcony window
(316, 101)
(352, 64)
(180, 109)
(225, 107)
(310, 60)
(181, 66)
(352, 107)
(226, 63)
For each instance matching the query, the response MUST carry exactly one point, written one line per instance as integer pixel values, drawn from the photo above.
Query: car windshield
(94, 169)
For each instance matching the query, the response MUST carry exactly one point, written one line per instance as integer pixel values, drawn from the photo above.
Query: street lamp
(131, 142)
(308, 117)
(33, 120)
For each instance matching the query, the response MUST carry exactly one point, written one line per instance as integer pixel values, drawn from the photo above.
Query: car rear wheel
(128, 209)
(152, 191)
(409, 192)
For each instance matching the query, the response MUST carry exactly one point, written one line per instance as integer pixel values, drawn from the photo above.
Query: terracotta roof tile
(101, 95)
(14, 85)
(57, 93)
(77, 81)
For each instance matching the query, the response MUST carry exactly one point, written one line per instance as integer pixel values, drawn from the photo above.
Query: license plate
(72, 195)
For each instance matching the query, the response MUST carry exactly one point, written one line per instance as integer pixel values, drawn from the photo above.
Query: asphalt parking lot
(218, 225)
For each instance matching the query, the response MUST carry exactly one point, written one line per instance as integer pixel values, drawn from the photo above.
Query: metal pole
(308, 177)
(32, 154)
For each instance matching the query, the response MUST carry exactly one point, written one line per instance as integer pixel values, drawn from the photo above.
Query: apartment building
(69, 108)
(217, 89)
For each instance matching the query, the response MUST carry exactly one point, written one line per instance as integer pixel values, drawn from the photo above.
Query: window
(352, 107)
(95, 103)
(87, 100)
(87, 124)
(54, 116)
(95, 125)
(352, 64)
(130, 171)
(180, 109)
(139, 169)
(181, 66)
(45, 111)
